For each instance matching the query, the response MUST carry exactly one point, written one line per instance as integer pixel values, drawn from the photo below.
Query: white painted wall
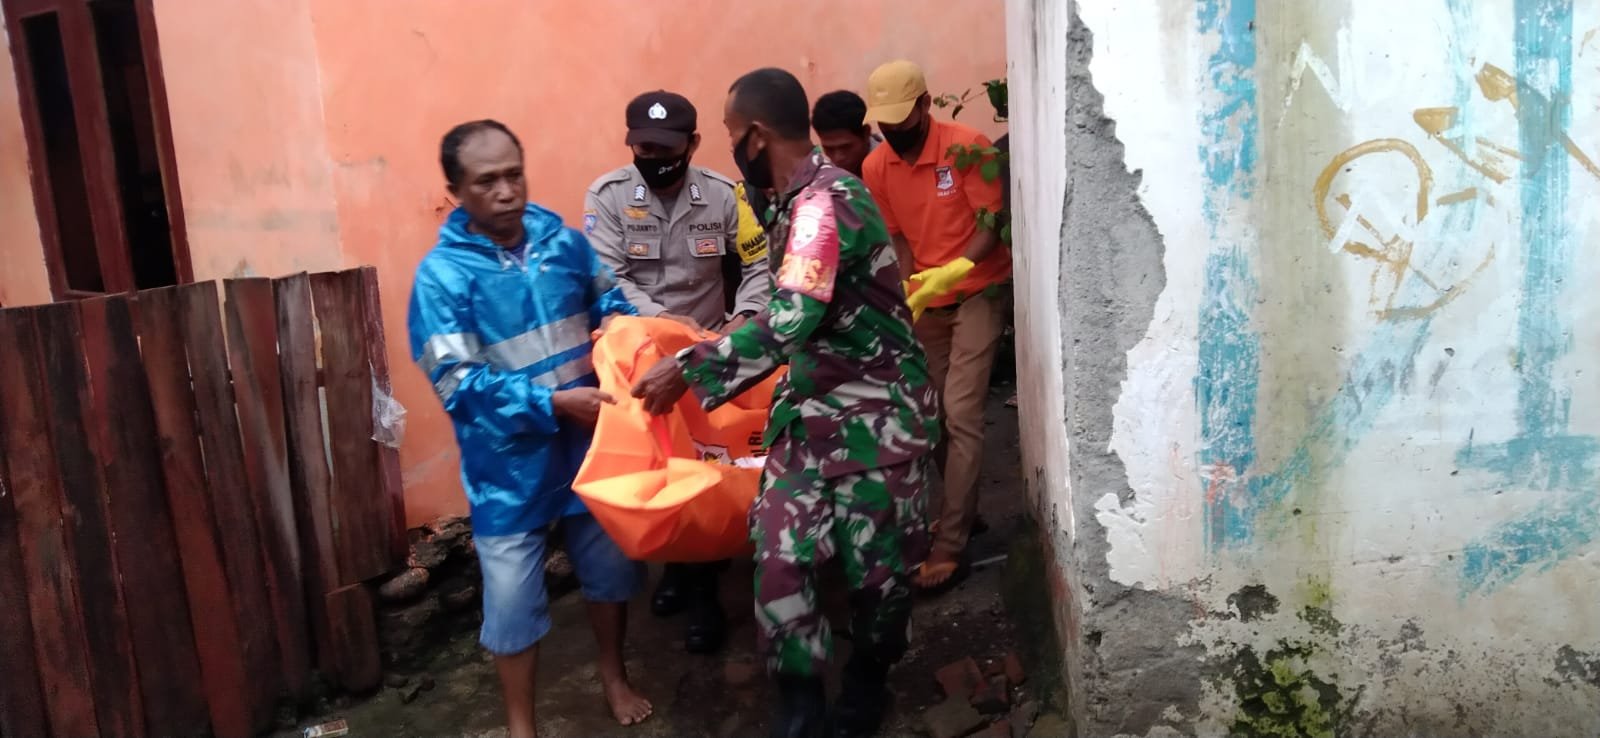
(1420, 460)
(1038, 183)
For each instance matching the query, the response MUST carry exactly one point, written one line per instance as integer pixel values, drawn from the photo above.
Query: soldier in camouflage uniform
(851, 426)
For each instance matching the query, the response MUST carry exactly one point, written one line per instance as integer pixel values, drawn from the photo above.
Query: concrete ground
(727, 694)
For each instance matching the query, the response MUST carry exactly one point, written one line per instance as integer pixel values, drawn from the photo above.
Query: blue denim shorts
(516, 607)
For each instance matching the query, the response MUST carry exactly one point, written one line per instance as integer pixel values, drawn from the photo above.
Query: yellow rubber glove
(936, 282)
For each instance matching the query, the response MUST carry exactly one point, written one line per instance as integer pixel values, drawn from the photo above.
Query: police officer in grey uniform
(668, 230)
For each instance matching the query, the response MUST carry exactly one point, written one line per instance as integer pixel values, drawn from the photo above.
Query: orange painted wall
(23, 278)
(307, 130)
(560, 73)
(251, 143)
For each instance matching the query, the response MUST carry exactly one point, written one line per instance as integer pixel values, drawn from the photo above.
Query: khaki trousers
(961, 341)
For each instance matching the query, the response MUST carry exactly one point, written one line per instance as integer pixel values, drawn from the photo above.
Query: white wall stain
(1306, 59)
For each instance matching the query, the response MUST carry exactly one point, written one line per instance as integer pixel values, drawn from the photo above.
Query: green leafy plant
(989, 160)
(994, 89)
(999, 97)
(956, 103)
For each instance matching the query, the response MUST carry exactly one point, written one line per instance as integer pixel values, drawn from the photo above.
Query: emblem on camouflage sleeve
(811, 259)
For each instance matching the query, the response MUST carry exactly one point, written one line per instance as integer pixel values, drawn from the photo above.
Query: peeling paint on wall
(1230, 350)
(1359, 431)
(1542, 455)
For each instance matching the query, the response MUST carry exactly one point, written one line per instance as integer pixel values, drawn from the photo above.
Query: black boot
(863, 696)
(802, 703)
(707, 624)
(669, 599)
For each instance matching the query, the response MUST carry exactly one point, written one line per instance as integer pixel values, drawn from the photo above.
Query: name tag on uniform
(703, 246)
(644, 249)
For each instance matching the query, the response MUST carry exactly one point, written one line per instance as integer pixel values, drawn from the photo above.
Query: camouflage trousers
(875, 521)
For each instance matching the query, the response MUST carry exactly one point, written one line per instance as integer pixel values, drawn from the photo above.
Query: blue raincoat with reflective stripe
(499, 331)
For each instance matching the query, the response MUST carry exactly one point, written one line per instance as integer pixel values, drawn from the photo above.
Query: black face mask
(905, 140)
(661, 173)
(757, 174)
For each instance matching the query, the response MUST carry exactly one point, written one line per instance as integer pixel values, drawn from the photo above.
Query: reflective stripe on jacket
(498, 332)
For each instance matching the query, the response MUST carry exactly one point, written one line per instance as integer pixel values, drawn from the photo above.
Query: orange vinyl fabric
(676, 487)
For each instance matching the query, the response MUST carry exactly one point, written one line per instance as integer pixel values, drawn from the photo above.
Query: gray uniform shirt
(671, 261)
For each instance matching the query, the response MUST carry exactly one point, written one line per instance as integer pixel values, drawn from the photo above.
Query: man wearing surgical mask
(667, 228)
(958, 275)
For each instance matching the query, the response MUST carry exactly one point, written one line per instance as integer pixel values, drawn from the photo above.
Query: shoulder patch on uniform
(811, 258)
(589, 219)
(751, 239)
(716, 177)
(615, 175)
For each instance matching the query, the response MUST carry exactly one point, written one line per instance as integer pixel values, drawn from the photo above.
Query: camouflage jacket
(858, 383)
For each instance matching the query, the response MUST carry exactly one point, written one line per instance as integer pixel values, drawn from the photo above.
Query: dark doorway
(133, 140)
(105, 187)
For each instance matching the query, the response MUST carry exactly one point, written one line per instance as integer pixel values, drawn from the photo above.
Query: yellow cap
(892, 91)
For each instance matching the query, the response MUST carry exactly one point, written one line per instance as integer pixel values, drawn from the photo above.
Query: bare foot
(628, 706)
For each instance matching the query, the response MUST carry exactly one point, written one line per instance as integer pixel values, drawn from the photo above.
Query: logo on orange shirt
(945, 179)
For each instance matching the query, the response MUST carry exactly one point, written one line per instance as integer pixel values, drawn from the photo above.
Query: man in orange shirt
(958, 275)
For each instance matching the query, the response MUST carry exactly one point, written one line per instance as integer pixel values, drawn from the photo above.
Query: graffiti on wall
(1416, 270)
(1375, 231)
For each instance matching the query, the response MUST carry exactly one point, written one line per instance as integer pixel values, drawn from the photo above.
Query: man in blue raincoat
(501, 317)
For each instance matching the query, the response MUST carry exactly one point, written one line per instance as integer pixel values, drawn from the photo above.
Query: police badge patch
(638, 193)
(707, 246)
(694, 192)
(588, 222)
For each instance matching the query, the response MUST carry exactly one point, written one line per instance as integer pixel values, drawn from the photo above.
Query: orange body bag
(676, 487)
